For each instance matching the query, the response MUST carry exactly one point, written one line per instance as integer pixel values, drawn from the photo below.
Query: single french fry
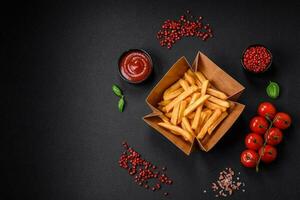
(164, 118)
(173, 87)
(189, 79)
(197, 103)
(186, 135)
(183, 126)
(163, 109)
(164, 103)
(220, 102)
(208, 123)
(217, 122)
(184, 84)
(191, 73)
(182, 107)
(188, 99)
(173, 94)
(195, 96)
(208, 113)
(196, 118)
(214, 106)
(201, 120)
(191, 121)
(204, 87)
(169, 115)
(200, 76)
(198, 83)
(216, 93)
(205, 109)
(175, 113)
(191, 115)
(181, 97)
(187, 125)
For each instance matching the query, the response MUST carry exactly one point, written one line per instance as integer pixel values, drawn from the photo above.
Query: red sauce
(135, 66)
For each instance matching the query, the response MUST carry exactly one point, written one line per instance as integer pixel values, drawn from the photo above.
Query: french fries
(184, 84)
(194, 105)
(214, 106)
(174, 117)
(164, 102)
(191, 107)
(195, 96)
(217, 113)
(196, 119)
(175, 86)
(164, 118)
(216, 93)
(182, 96)
(200, 76)
(189, 79)
(173, 94)
(186, 135)
(187, 125)
(217, 122)
(220, 102)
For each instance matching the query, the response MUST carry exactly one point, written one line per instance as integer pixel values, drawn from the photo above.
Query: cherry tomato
(253, 141)
(268, 153)
(266, 109)
(282, 120)
(273, 136)
(249, 158)
(259, 124)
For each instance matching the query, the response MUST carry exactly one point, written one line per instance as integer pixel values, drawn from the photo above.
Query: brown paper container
(219, 79)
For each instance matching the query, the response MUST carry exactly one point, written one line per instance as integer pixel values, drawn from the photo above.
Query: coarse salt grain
(226, 183)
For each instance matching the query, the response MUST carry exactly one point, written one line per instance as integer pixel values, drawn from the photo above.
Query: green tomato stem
(265, 143)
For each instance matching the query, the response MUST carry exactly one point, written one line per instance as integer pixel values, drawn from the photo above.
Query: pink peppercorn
(188, 26)
(143, 170)
(256, 59)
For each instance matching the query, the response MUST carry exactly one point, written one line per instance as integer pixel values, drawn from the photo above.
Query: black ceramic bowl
(256, 45)
(130, 51)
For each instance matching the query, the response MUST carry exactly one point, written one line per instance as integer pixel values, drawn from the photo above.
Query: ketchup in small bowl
(135, 66)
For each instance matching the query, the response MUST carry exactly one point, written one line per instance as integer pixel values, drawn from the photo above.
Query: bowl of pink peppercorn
(256, 58)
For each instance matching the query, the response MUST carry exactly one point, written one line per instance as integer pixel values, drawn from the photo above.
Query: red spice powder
(256, 59)
(145, 173)
(186, 26)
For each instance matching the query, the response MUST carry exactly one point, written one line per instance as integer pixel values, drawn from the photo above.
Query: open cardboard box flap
(219, 79)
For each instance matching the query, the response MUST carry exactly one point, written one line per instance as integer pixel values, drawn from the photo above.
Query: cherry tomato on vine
(282, 120)
(249, 158)
(258, 124)
(254, 141)
(273, 136)
(268, 153)
(266, 109)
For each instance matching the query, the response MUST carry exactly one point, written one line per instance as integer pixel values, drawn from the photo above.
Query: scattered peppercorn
(187, 25)
(143, 171)
(256, 59)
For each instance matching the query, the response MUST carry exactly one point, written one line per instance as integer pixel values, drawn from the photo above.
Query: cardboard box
(218, 78)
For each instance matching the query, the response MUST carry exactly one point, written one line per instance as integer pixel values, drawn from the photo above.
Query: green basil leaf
(121, 104)
(273, 90)
(117, 90)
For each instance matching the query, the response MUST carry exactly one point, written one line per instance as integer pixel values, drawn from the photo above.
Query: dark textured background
(62, 130)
